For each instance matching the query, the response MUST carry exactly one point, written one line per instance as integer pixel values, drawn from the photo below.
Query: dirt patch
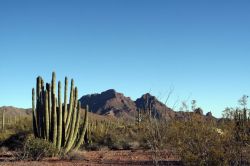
(120, 157)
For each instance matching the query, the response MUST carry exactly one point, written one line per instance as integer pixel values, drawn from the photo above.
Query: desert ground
(103, 157)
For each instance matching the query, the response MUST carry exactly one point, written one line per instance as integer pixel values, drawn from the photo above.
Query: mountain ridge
(111, 102)
(116, 104)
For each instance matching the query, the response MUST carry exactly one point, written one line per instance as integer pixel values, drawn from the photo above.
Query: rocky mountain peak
(109, 102)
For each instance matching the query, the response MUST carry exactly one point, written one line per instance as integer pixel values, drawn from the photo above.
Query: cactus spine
(53, 120)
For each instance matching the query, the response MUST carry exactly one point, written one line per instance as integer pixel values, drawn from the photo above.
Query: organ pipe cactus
(55, 121)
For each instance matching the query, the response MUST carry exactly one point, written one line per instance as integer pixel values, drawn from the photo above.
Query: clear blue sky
(200, 48)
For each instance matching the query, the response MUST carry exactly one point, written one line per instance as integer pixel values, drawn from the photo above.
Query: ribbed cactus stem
(65, 100)
(70, 139)
(85, 125)
(48, 88)
(54, 83)
(71, 133)
(38, 112)
(71, 104)
(54, 117)
(65, 110)
(54, 109)
(59, 128)
(46, 115)
(77, 120)
(38, 87)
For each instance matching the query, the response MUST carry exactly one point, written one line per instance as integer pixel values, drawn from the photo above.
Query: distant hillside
(13, 111)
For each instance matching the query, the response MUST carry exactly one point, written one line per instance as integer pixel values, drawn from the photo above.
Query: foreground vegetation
(196, 141)
(55, 130)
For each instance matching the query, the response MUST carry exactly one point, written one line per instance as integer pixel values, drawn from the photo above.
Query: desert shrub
(196, 140)
(24, 124)
(117, 142)
(112, 136)
(93, 146)
(156, 134)
(203, 143)
(74, 155)
(112, 140)
(15, 141)
(5, 135)
(238, 127)
(37, 149)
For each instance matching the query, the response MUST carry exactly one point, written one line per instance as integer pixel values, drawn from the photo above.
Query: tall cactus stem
(70, 139)
(85, 125)
(48, 88)
(59, 128)
(71, 104)
(65, 110)
(77, 121)
(46, 115)
(54, 117)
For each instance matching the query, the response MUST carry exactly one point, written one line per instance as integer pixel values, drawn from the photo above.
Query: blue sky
(201, 48)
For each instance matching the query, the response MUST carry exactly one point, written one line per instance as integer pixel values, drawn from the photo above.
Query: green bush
(202, 142)
(37, 149)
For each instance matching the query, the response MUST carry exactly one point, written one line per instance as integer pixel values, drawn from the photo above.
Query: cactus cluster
(57, 121)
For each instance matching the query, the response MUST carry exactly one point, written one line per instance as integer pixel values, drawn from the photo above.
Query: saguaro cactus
(55, 121)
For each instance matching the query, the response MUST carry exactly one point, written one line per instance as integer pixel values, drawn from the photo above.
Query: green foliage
(5, 135)
(37, 149)
(198, 143)
(156, 134)
(23, 124)
(113, 136)
(206, 143)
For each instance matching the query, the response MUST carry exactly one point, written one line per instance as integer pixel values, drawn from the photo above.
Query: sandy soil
(121, 157)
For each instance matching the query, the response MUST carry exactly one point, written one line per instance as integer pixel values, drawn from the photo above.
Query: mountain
(110, 103)
(158, 109)
(13, 111)
(116, 104)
